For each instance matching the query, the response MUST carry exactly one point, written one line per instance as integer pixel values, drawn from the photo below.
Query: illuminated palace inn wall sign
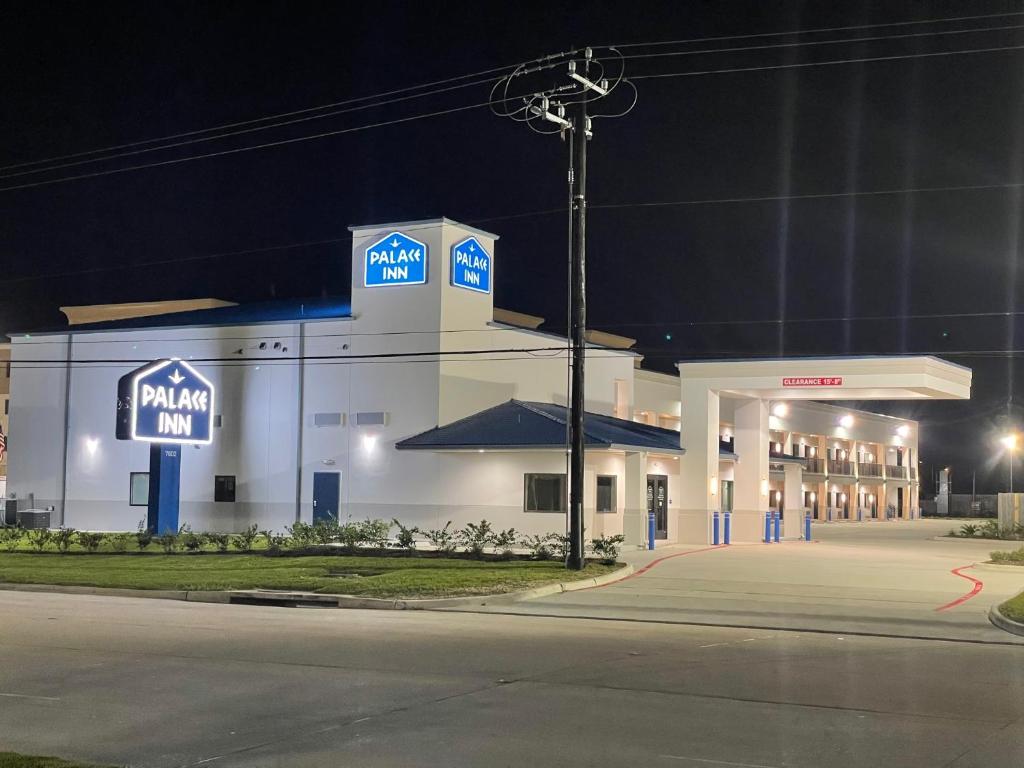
(166, 401)
(396, 259)
(471, 266)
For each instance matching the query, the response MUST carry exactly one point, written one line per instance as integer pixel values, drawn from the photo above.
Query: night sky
(707, 275)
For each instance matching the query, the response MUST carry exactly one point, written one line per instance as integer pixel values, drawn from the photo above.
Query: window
(606, 493)
(544, 493)
(138, 489)
(224, 488)
(7, 406)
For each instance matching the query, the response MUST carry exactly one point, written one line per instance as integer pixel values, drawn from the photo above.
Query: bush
(376, 533)
(90, 540)
(560, 544)
(302, 534)
(10, 538)
(503, 541)
(406, 538)
(245, 540)
(475, 537)
(968, 529)
(1012, 558)
(990, 530)
(540, 546)
(190, 540)
(220, 540)
(326, 531)
(144, 536)
(442, 539)
(607, 547)
(39, 538)
(351, 535)
(63, 537)
(119, 541)
(168, 542)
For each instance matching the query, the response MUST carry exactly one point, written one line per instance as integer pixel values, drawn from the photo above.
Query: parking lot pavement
(871, 578)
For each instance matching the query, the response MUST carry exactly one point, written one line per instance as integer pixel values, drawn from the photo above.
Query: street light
(1010, 444)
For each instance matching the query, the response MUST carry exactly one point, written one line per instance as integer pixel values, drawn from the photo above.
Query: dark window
(138, 489)
(544, 493)
(606, 493)
(7, 406)
(224, 488)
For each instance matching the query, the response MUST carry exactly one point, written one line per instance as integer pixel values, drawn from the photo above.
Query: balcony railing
(840, 467)
(815, 466)
(896, 473)
(869, 470)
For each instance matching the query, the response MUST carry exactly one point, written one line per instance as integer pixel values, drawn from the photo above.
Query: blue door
(326, 496)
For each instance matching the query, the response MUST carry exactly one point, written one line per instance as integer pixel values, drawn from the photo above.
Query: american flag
(3, 444)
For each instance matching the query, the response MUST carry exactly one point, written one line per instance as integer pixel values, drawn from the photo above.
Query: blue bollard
(726, 526)
(714, 528)
(767, 527)
(830, 514)
(807, 527)
(650, 530)
(860, 514)
(777, 520)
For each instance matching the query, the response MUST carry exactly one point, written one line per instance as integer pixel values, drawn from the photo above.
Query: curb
(1003, 623)
(1001, 568)
(288, 598)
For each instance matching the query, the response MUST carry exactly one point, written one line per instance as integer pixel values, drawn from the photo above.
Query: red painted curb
(654, 563)
(978, 586)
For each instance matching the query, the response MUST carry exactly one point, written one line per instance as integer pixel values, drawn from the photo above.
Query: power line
(268, 126)
(832, 62)
(806, 43)
(278, 116)
(818, 30)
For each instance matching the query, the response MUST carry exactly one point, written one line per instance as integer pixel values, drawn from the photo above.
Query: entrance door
(899, 502)
(326, 496)
(657, 502)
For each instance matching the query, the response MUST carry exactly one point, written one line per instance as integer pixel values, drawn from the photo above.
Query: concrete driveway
(875, 578)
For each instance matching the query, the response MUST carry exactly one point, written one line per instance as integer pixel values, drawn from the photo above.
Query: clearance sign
(812, 381)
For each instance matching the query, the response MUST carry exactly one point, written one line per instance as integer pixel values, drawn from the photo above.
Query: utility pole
(539, 109)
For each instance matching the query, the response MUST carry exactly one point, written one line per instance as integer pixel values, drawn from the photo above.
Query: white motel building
(416, 399)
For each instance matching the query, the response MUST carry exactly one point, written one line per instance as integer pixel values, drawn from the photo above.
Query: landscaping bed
(13, 760)
(1013, 608)
(1016, 557)
(362, 575)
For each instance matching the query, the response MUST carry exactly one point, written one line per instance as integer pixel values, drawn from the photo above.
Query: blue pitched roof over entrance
(522, 425)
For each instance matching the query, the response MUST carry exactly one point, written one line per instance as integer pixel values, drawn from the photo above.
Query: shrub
(275, 541)
(63, 537)
(190, 540)
(990, 530)
(503, 541)
(406, 538)
(968, 529)
(442, 539)
(607, 547)
(475, 537)
(326, 531)
(168, 542)
(220, 540)
(39, 538)
(245, 540)
(119, 541)
(1017, 556)
(376, 533)
(540, 546)
(302, 534)
(90, 540)
(10, 538)
(350, 535)
(560, 544)
(144, 536)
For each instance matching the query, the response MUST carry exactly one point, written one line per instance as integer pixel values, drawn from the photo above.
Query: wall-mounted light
(842, 497)
(764, 486)
(842, 454)
(903, 430)
(814, 451)
(781, 410)
(846, 421)
(92, 444)
(814, 497)
(778, 496)
(778, 447)
(713, 485)
(369, 443)
(871, 498)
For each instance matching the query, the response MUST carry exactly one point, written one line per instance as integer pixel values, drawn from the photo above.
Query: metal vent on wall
(326, 419)
(371, 418)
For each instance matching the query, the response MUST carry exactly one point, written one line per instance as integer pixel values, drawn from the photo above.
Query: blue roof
(523, 425)
(278, 310)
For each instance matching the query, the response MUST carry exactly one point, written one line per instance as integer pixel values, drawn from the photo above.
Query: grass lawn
(1013, 608)
(12, 760)
(365, 576)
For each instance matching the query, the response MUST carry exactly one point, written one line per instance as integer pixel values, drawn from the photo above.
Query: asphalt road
(160, 683)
